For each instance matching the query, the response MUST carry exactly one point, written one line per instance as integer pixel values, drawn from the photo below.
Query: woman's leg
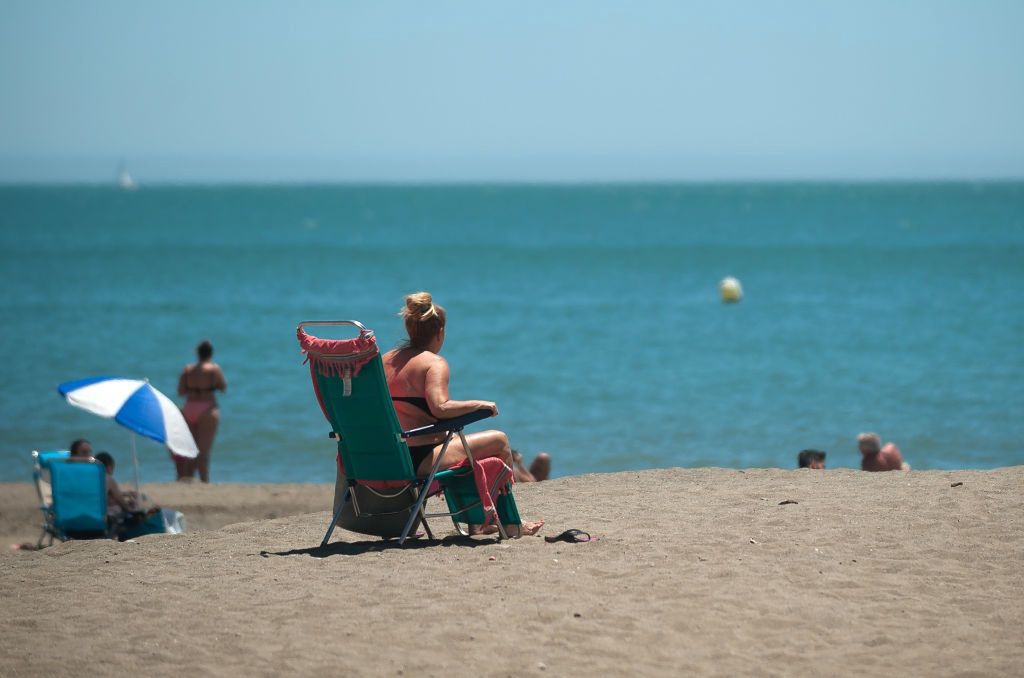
(183, 466)
(521, 474)
(204, 433)
(539, 470)
(483, 445)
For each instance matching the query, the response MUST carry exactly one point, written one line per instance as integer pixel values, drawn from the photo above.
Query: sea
(590, 313)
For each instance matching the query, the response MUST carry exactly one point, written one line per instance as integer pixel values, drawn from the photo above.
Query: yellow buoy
(731, 290)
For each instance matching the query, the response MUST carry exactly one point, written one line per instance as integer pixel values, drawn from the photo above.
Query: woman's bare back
(406, 373)
(200, 380)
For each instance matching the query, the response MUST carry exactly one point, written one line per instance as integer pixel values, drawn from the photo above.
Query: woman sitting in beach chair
(418, 380)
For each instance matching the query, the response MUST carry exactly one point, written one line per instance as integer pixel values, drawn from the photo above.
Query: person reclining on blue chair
(81, 450)
(123, 506)
(117, 501)
(418, 380)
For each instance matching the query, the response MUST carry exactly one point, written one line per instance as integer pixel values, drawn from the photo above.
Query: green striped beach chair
(377, 490)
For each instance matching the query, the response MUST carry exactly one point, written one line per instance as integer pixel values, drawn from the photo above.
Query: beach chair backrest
(46, 458)
(41, 473)
(79, 496)
(371, 444)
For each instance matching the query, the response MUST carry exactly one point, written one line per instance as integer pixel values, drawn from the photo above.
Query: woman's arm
(221, 383)
(182, 390)
(436, 393)
(114, 492)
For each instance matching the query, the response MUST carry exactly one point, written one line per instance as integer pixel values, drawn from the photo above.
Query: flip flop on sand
(571, 536)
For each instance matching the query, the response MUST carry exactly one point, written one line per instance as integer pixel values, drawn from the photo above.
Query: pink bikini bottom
(195, 409)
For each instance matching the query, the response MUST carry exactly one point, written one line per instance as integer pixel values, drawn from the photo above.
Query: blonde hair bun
(419, 306)
(424, 319)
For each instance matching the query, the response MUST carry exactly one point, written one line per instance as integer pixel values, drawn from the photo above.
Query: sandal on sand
(571, 536)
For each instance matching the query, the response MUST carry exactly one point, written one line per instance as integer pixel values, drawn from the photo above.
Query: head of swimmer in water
(869, 443)
(424, 322)
(811, 459)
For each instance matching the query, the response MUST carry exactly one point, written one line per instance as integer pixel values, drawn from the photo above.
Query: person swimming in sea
(811, 459)
(878, 457)
(198, 383)
(540, 468)
(418, 380)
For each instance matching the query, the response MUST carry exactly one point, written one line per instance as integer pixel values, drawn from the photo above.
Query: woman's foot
(475, 530)
(528, 528)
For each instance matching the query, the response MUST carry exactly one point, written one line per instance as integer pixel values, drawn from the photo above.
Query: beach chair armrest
(446, 425)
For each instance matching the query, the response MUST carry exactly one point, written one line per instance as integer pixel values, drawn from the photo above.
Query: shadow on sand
(358, 548)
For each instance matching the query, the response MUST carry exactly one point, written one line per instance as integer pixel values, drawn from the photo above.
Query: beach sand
(697, 571)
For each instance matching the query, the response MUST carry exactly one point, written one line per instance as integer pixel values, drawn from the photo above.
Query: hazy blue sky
(580, 90)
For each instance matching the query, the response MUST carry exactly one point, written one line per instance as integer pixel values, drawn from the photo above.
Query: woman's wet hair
(423, 319)
(204, 350)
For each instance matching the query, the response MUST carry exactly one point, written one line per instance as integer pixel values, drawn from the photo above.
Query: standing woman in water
(197, 383)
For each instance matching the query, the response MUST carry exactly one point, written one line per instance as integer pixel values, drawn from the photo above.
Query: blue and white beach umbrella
(137, 406)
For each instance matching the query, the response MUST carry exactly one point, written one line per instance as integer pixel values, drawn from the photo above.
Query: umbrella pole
(135, 464)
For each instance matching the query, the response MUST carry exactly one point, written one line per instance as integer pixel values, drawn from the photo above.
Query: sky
(586, 90)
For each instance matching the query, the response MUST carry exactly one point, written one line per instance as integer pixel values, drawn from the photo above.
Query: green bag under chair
(463, 501)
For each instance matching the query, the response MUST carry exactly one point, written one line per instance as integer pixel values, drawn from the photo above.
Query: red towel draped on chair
(492, 478)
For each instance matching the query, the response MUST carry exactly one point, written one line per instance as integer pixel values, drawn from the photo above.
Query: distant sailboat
(124, 180)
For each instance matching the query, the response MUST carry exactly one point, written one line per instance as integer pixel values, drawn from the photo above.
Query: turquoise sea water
(589, 313)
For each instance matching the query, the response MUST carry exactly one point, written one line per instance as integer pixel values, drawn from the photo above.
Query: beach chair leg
(417, 510)
(337, 515)
(426, 526)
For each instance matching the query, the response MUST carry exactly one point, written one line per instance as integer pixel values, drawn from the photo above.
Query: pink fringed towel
(335, 357)
(338, 357)
(492, 478)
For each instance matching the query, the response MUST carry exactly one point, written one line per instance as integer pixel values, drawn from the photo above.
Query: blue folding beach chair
(41, 462)
(41, 474)
(78, 501)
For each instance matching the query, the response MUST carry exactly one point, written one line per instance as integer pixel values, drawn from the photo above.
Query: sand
(206, 507)
(697, 571)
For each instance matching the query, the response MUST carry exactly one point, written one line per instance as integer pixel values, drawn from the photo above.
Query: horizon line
(369, 182)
